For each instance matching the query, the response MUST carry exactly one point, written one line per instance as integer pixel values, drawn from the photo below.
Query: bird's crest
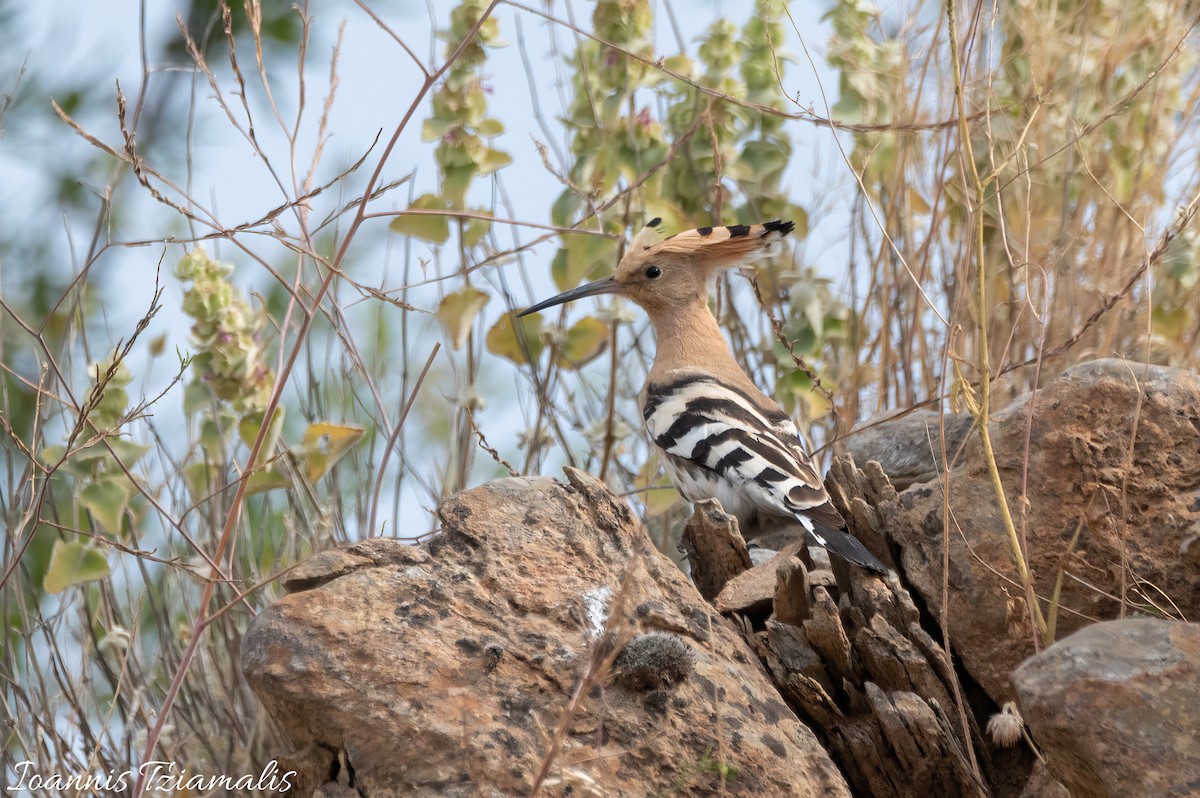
(711, 247)
(649, 236)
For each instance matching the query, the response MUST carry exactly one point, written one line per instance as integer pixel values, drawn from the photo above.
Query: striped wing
(754, 450)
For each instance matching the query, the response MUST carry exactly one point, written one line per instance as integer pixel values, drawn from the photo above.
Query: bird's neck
(688, 337)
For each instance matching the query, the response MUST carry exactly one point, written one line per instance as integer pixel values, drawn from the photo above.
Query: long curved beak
(606, 286)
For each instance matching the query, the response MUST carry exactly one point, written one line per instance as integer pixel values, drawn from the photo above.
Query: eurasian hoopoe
(720, 436)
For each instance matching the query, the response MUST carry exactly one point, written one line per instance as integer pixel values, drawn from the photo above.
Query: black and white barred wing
(720, 443)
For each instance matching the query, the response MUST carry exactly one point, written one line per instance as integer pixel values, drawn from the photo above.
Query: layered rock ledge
(540, 639)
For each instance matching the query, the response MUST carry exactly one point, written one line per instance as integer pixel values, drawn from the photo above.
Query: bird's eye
(653, 272)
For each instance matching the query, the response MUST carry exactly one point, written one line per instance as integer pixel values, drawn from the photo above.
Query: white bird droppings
(596, 601)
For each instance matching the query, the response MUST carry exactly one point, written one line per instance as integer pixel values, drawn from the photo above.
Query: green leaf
(267, 479)
(435, 127)
(251, 423)
(434, 229)
(674, 220)
(111, 407)
(490, 160)
(455, 182)
(586, 257)
(106, 500)
(680, 64)
(562, 212)
(197, 396)
(199, 477)
(849, 108)
(127, 451)
(760, 161)
(475, 230)
(558, 268)
(583, 343)
(52, 454)
(457, 313)
(90, 454)
(523, 347)
(324, 444)
(212, 436)
(490, 127)
(121, 375)
(72, 564)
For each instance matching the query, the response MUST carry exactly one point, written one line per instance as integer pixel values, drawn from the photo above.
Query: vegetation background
(204, 381)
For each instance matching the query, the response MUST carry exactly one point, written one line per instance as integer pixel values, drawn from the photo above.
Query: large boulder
(908, 445)
(1112, 453)
(540, 631)
(1115, 708)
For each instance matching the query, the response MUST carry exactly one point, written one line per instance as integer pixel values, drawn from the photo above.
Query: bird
(719, 435)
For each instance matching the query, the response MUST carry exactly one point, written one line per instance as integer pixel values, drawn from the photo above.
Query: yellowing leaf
(106, 500)
(503, 339)
(457, 312)
(584, 341)
(324, 444)
(72, 564)
(657, 492)
(427, 227)
(1170, 323)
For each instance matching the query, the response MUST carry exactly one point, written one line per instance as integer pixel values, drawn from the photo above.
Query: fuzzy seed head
(1006, 725)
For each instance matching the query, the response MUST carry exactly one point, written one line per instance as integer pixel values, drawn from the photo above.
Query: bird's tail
(848, 547)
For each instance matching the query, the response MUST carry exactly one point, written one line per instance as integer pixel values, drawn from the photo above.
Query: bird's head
(660, 273)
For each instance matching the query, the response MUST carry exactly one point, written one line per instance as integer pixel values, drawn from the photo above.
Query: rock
(1134, 513)
(791, 602)
(1114, 708)
(908, 446)
(865, 675)
(714, 546)
(751, 592)
(447, 669)
(1042, 785)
